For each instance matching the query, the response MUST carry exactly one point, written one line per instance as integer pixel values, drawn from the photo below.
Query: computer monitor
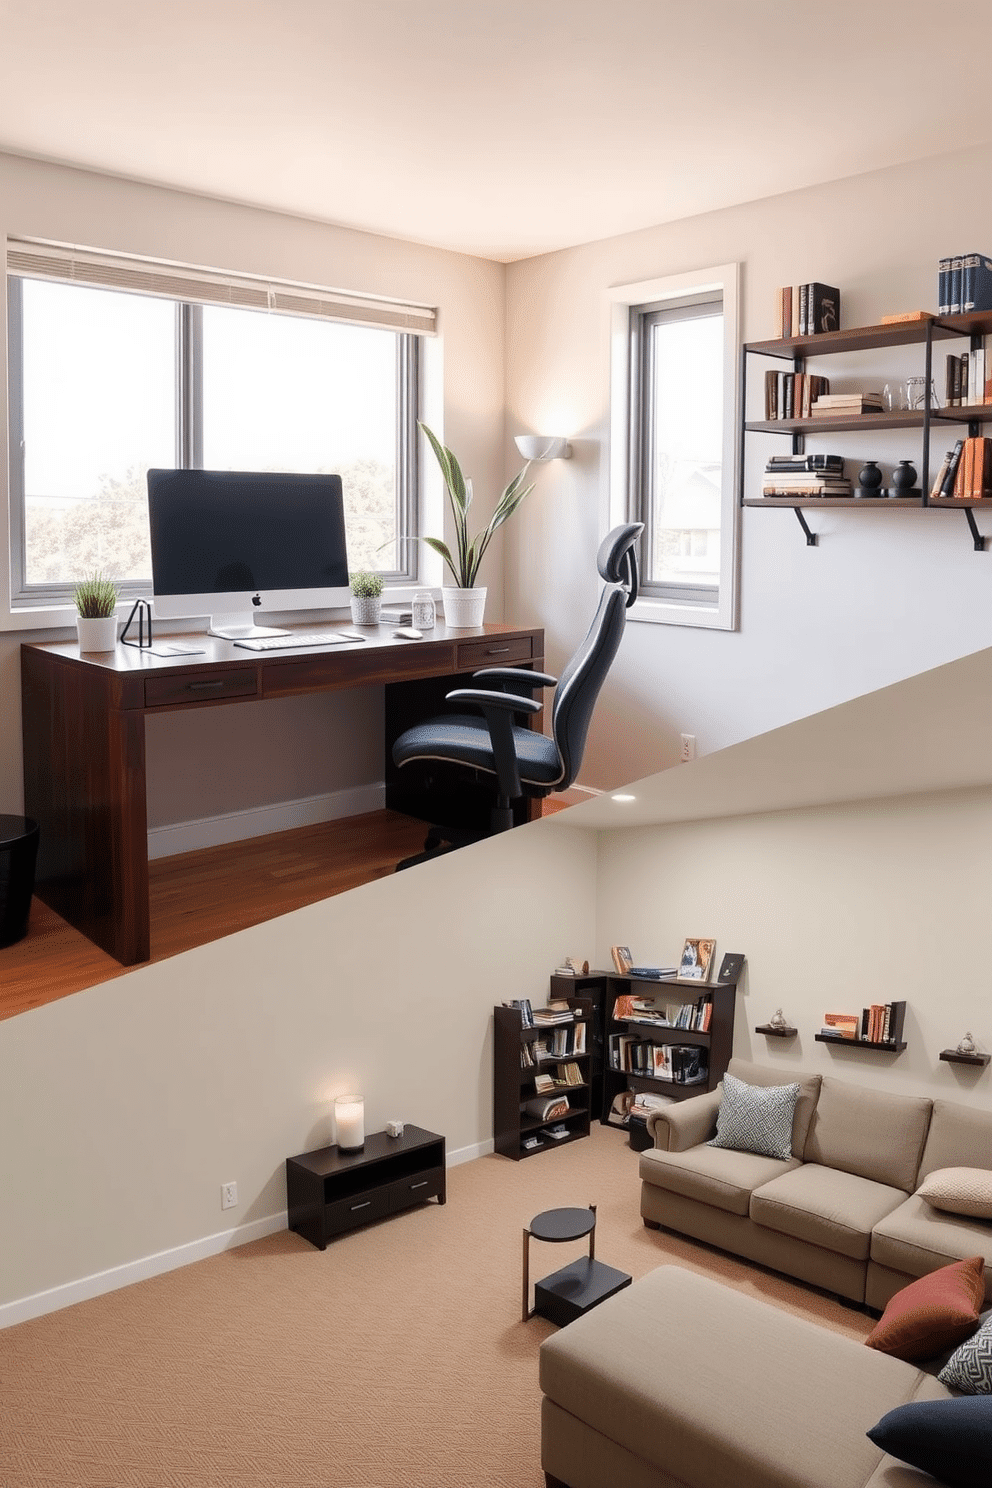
(231, 543)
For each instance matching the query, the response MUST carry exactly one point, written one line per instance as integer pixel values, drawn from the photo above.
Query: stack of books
(805, 475)
(791, 395)
(840, 1025)
(846, 405)
(965, 471)
(964, 283)
(807, 309)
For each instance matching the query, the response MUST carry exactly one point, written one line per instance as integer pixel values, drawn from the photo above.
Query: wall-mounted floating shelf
(776, 1032)
(855, 1043)
(953, 1057)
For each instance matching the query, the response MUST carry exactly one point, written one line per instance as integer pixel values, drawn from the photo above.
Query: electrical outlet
(688, 748)
(229, 1196)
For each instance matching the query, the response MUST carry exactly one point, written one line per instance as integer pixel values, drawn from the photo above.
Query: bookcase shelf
(925, 333)
(513, 1083)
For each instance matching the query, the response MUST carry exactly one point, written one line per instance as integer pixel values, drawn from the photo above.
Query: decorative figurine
(777, 1019)
(966, 1046)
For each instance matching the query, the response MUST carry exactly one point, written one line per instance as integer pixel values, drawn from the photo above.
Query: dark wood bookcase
(513, 1083)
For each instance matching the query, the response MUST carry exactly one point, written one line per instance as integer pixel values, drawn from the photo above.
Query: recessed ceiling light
(621, 797)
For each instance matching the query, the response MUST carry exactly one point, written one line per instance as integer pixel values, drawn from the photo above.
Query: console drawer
(359, 1209)
(415, 1189)
(494, 651)
(207, 687)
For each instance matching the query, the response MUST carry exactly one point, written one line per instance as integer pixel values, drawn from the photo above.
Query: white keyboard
(288, 642)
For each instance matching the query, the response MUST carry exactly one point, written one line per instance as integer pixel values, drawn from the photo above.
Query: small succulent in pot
(95, 597)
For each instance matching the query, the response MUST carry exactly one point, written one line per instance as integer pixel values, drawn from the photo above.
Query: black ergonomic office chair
(524, 762)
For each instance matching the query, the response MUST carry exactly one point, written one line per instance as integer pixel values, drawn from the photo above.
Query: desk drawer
(203, 687)
(494, 651)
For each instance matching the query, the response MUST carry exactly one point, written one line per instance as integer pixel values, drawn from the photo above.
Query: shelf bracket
(977, 537)
(811, 537)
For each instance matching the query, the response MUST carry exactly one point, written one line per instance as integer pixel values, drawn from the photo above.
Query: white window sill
(666, 612)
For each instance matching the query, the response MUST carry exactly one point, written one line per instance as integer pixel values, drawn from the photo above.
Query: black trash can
(18, 855)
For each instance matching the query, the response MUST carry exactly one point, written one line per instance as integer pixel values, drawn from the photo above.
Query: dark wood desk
(83, 728)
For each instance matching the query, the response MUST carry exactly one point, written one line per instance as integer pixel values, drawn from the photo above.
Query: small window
(674, 415)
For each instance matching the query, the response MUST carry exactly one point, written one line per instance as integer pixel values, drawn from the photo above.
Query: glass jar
(423, 610)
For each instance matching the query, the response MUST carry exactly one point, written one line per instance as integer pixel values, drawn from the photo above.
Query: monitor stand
(240, 626)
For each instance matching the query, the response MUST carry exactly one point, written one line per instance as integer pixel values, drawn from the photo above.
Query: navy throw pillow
(951, 1439)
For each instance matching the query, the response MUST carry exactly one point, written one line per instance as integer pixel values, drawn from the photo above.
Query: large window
(106, 383)
(674, 406)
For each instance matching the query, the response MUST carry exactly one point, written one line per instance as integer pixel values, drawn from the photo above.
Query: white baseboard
(87, 1287)
(237, 826)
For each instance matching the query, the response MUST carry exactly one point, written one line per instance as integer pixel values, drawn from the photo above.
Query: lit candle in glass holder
(349, 1121)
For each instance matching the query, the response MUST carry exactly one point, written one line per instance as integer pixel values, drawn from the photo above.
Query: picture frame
(622, 959)
(730, 969)
(696, 960)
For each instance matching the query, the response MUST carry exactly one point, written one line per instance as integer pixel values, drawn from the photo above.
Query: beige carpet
(394, 1359)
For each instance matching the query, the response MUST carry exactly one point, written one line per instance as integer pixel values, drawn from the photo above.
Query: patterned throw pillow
(935, 1312)
(756, 1118)
(966, 1191)
(970, 1367)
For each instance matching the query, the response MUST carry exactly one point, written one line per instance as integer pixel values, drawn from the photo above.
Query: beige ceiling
(500, 129)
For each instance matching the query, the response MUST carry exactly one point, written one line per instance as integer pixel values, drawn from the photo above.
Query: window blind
(69, 264)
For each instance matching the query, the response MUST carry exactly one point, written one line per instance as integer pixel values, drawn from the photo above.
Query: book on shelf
(689, 1064)
(964, 283)
(522, 1004)
(846, 405)
(792, 394)
(973, 476)
(569, 1074)
(951, 470)
(652, 973)
(807, 309)
(906, 317)
(544, 1084)
(841, 1025)
(547, 1017)
(966, 378)
(623, 1007)
(547, 1108)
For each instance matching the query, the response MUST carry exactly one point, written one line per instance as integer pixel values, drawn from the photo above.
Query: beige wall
(124, 1108)
(835, 907)
(879, 599)
(47, 201)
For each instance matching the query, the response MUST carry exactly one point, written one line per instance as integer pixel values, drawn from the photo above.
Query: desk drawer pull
(498, 650)
(366, 1205)
(422, 1184)
(203, 686)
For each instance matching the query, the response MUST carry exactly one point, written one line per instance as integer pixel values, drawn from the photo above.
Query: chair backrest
(580, 682)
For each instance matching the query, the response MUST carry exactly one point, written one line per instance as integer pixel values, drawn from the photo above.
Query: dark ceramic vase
(903, 479)
(870, 479)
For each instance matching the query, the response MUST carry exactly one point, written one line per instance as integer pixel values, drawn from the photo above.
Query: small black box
(568, 1293)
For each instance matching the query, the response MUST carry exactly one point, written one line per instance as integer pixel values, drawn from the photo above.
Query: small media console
(329, 1191)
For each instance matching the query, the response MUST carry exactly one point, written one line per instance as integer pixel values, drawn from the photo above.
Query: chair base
(441, 840)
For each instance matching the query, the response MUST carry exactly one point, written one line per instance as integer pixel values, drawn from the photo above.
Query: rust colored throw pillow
(936, 1312)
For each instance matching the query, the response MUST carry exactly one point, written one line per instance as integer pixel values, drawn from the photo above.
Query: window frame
(631, 309)
(34, 599)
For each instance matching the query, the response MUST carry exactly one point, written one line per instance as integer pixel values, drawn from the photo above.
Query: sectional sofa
(842, 1211)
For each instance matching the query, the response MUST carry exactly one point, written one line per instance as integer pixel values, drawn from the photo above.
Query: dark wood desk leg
(84, 782)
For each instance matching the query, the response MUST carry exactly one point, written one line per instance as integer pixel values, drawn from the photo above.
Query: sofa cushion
(712, 1175)
(756, 1118)
(970, 1366)
(959, 1136)
(877, 1136)
(915, 1238)
(825, 1207)
(952, 1439)
(933, 1313)
(966, 1191)
(809, 1090)
(713, 1387)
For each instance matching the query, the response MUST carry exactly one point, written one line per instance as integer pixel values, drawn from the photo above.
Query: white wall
(835, 907)
(124, 1108)
(47, 201)
(879, 599)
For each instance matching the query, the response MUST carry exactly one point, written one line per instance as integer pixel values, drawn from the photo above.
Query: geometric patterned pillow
(965, 1191)
(756, 1118)
(970, 1367)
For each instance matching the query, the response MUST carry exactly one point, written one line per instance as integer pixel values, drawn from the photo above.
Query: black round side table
(571, 1291)
(18, 855)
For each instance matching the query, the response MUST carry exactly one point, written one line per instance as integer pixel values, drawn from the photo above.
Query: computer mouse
(407, 633)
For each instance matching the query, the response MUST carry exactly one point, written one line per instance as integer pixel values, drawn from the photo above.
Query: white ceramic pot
(365, 609)
(463, 608)
(97, 635)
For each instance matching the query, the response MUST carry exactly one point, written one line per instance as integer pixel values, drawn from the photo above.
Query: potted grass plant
(96, 613)
(366, 596)
(465, 601)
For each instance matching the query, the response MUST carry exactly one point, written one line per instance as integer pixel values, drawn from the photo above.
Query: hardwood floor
(200, 896)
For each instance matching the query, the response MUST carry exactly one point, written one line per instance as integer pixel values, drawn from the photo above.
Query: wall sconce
(349, 1122)
(543, 447)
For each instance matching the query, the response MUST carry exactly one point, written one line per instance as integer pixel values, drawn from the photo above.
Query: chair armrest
(513, 679)
(505, 702)
(676, 1128)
